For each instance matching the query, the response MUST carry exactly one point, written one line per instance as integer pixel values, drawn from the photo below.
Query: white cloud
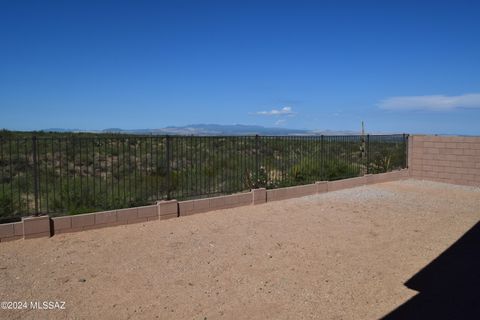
(280, 122)
(285, 111)
(432, 103)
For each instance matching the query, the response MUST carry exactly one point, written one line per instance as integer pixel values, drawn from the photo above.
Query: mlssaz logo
(47, 305)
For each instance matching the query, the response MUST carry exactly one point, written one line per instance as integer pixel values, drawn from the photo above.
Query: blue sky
(404, 66)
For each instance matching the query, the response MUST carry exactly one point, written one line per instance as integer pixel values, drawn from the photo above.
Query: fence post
(35, 173)
(257, 163)
(167, 150)
(322, 158)
(363, 149)
(368, 153)
(405, 148)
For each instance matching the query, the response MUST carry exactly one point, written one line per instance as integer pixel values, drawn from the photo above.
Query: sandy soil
(341, 255)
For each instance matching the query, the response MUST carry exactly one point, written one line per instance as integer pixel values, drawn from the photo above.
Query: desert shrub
(6, 206)
(256, 179)
(308, 171)
(335, 170)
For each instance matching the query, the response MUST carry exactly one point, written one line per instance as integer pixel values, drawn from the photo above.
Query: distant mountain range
(213, 130)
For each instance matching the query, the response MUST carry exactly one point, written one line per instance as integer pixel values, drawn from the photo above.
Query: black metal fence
(76, 174)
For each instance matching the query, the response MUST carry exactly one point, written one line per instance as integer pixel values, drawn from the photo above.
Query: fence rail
(76, 174)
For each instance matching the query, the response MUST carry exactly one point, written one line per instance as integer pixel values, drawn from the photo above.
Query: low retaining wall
(346, 183)
(44, 226)
(291, 192)
(445, 159)
(189, 207)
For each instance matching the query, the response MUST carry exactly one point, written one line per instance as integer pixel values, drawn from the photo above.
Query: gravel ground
(341, 255)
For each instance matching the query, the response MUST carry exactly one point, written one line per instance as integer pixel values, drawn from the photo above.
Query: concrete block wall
(44, 226)
(346, 183)
(103, 219)
(291, 192)
(189, 207)
(446, 159)
(259, 196)
(388, 176)
(11, 231)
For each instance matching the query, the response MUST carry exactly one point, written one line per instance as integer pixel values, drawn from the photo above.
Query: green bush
(335, 170)
(6, 206)
(308, 171)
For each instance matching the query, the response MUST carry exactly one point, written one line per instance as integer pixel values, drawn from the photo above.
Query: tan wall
(445, 159)
(291, 192)
(189, 207)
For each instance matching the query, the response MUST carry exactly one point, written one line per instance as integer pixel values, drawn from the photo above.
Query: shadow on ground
(449, 287)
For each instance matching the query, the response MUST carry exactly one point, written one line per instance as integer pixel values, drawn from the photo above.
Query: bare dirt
(341, 255)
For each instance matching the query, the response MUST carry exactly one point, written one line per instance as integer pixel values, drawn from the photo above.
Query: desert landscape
(339, 255)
